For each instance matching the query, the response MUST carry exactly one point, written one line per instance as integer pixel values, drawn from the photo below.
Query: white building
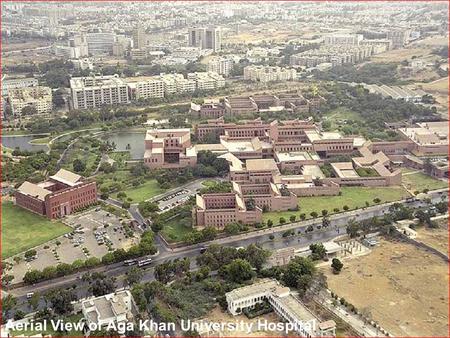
(176, 83)
(95, 91)
(115, 307)
(8, 84)
(269, 74)
(285, 304)
(207, 80)
(343, 39)
(220, 65)
(67, 52)
(37, 97)
(100, 43)
(146, 88)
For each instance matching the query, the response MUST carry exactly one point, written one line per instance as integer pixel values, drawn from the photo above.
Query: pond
(128, 141)
(23, 142)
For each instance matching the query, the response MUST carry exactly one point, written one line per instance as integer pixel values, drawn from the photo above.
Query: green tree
(78, 166)
(134, 275)
(238, 271)
(337, 265)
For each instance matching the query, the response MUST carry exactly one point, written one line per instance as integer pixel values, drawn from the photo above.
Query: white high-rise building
(95, 91)
(37, 97)
(220, 65)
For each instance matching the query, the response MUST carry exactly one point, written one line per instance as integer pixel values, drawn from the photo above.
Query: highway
(338, 223)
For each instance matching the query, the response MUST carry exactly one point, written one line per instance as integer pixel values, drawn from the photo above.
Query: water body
(23, 142)
(128, 141)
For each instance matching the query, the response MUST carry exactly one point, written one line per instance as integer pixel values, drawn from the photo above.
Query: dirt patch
(404, 288)
(436, 238)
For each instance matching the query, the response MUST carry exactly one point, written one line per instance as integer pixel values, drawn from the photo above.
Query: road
(337, 228)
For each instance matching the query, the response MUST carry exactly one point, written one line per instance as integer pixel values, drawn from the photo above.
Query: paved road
(337, 228)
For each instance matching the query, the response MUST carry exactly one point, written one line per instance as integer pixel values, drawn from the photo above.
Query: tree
(302, 216)
(318, 251)
(337, 265)
(324, 212)
(134, 275)
(256, 256)
(232, 228)
(296, 268)
(238, 271)
(78, 166)
(314, 214)
(345, 207)
(7, 279)
(101, 284)
(61, 301)
(326, 221)
(376, 200)
(269, 223)
(30, 253)
(8, 303)
(282, 220)
(28, 110)
(292, 218)
(353, 228)
(34, 300)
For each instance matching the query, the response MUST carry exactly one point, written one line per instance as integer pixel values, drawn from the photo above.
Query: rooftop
(261, 164)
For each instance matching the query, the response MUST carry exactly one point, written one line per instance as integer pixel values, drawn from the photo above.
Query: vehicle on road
(129, 262)
(30, 294)
(203, 249)
(144, 262)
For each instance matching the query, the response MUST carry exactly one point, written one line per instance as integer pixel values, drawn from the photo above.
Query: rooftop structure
(428, 137)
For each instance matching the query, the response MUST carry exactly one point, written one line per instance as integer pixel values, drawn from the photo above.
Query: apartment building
(145, 88)
(18, 83)
(269, 74)
(343, 39)
(337, 55)
(40, 98)
(95, 91)
(61, 195)
(169, 148)
(284, 303)
(221, 65)
(206, 80)
(177, 83)
(100, 43)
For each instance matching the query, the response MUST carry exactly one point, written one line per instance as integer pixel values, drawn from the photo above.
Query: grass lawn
(43, 140)
(143, 192)
(176, 229)
(22, 230)
(419, 181)
(209, 183)
(353, 197)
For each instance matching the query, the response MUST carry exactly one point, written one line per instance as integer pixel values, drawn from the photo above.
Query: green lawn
(143, 192)
(176, 229)
(353, 197)
(209, 183)
(419, 181)
(22, 230)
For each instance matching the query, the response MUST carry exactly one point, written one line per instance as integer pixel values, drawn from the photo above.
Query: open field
(403, 287)
(22, 230)
(144, 191)
(177, 228)
(398, 55)
(419, 181)
(353, 197)
(439, 86)
(436, 238)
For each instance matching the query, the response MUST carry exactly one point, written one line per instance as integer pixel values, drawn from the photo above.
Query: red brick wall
(30, 203)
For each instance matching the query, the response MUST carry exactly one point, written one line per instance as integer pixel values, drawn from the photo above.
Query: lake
(134, 139)
(23, 142)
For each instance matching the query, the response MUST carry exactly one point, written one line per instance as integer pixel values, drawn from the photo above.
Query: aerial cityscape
(225, 169)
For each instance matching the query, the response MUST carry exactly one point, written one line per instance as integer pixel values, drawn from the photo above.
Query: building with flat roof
(145, 88)
(285, 304)
(40, 98)
(169, 148)
(61, 195)
(429, 138)
(8, 84)
(117, 308)
(269, 74)
(96, 91)
(221, 65)
(205, 37)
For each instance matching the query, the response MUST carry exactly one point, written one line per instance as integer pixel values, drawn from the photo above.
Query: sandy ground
(218, 316)
(436, 238)
(404, 288)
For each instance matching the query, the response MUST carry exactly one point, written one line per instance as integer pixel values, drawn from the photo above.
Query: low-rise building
(207, 80)
(285, 304)
(429, 138)
(169, 148)
(113, 308)
(61, 195)
(40, 98)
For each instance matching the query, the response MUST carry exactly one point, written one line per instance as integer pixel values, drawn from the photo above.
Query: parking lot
(95, 233)
(170, 201)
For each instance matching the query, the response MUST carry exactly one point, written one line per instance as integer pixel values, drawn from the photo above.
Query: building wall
(67, 201)
(30, 203)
